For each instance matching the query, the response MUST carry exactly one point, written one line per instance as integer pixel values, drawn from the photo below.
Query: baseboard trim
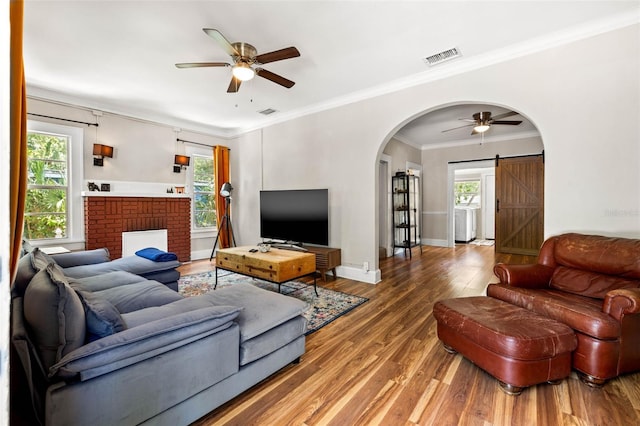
(434, 242)
(358, 274)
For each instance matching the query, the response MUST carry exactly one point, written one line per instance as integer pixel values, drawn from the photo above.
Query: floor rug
(324, 308)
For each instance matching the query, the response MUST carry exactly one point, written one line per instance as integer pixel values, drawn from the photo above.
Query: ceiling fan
(246, 61)
(482, 121)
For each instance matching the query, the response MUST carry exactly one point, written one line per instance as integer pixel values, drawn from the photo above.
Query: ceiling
(119, 56)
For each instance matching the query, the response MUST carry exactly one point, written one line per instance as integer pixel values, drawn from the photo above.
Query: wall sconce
(101, 151)
(180, 163)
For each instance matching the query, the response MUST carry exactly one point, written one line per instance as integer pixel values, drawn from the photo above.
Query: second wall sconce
(101, 151)
(180, 163)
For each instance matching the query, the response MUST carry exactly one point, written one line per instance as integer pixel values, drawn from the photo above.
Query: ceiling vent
(267, 111)
(443, 56)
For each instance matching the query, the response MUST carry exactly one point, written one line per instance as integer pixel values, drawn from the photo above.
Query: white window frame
(75, 205)
(192, 151)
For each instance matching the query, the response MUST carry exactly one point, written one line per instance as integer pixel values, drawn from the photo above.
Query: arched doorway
(445, 135)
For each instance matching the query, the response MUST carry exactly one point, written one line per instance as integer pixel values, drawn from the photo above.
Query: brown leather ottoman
(518, 347)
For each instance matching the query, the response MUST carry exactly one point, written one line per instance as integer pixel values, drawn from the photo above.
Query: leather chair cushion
(587, 283)
(604, 255)
(583, 314)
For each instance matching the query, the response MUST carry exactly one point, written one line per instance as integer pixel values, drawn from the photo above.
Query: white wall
(585, 105)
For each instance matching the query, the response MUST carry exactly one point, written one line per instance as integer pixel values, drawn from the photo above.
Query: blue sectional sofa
(117, 348)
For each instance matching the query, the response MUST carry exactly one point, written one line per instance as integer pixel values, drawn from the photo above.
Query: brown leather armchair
(592, 284)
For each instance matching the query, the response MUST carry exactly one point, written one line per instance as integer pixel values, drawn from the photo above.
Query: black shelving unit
(406, 212)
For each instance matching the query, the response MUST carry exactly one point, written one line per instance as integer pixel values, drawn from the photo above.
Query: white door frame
(385, 205)
(451, 177)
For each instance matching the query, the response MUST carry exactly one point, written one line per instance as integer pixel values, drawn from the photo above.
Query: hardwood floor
(382, 363)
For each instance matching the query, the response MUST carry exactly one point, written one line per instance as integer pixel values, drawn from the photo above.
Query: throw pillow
(55, 314)
(40, 259)
(24, 274)
(103, 319)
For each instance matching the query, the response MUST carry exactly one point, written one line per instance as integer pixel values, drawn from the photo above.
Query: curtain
(18, 137)
(221, 172)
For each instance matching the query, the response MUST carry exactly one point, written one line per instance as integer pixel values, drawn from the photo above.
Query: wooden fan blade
(275, 78)
(234, 85)
(202, 64)
(278, 55)
(461, 127)
(222, 41)
(513, 123)
(505, 115)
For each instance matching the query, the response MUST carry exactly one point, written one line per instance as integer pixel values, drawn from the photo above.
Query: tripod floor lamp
(225, 224)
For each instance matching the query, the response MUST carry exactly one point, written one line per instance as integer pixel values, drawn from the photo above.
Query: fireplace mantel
(132, 194)
(109, 214)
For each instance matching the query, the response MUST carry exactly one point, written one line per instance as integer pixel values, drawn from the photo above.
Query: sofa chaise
(117, 348)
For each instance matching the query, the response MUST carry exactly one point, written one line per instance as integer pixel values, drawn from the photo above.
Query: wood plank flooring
(382, 363)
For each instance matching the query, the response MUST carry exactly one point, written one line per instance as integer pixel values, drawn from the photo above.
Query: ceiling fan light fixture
(481, 128)
(243, 72)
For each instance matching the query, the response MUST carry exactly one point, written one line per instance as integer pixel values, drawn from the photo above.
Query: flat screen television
(295, 216)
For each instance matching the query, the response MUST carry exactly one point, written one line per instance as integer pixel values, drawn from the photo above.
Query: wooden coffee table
(277, 265)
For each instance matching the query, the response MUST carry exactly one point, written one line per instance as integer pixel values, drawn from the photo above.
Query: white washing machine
(465, 219)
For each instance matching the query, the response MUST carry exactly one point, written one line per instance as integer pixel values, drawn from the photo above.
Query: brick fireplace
(107, 217)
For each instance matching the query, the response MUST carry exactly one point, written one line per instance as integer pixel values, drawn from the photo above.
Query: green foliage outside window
(204, 200)
(467, 193)
(47, 191)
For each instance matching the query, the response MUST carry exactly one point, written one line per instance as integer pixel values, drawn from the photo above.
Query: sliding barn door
(520, 204)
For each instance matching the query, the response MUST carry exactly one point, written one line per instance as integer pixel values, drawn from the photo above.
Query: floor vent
(267, 111)
(443, 56)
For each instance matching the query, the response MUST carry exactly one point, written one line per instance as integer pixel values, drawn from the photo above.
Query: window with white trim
(203, 201)
(53, 206)
(201, 184)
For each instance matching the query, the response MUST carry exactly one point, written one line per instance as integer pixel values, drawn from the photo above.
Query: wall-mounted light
(180, 163)
(101, 151)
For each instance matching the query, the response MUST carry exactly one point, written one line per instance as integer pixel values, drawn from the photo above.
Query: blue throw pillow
(103, 319)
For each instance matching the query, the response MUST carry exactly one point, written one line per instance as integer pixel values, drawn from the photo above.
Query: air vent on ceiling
(267, 111)
(443, 56)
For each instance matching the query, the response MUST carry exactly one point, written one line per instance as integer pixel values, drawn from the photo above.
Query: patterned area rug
(323, 309)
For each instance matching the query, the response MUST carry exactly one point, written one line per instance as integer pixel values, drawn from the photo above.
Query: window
(53, 206)
(204, 201)
(47, 189)
(467, 193)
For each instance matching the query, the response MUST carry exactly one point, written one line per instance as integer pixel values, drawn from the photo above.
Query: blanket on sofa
(156, 255)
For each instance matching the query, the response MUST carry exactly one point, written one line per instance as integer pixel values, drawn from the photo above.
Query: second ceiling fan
(246, 61)
(482, 121)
